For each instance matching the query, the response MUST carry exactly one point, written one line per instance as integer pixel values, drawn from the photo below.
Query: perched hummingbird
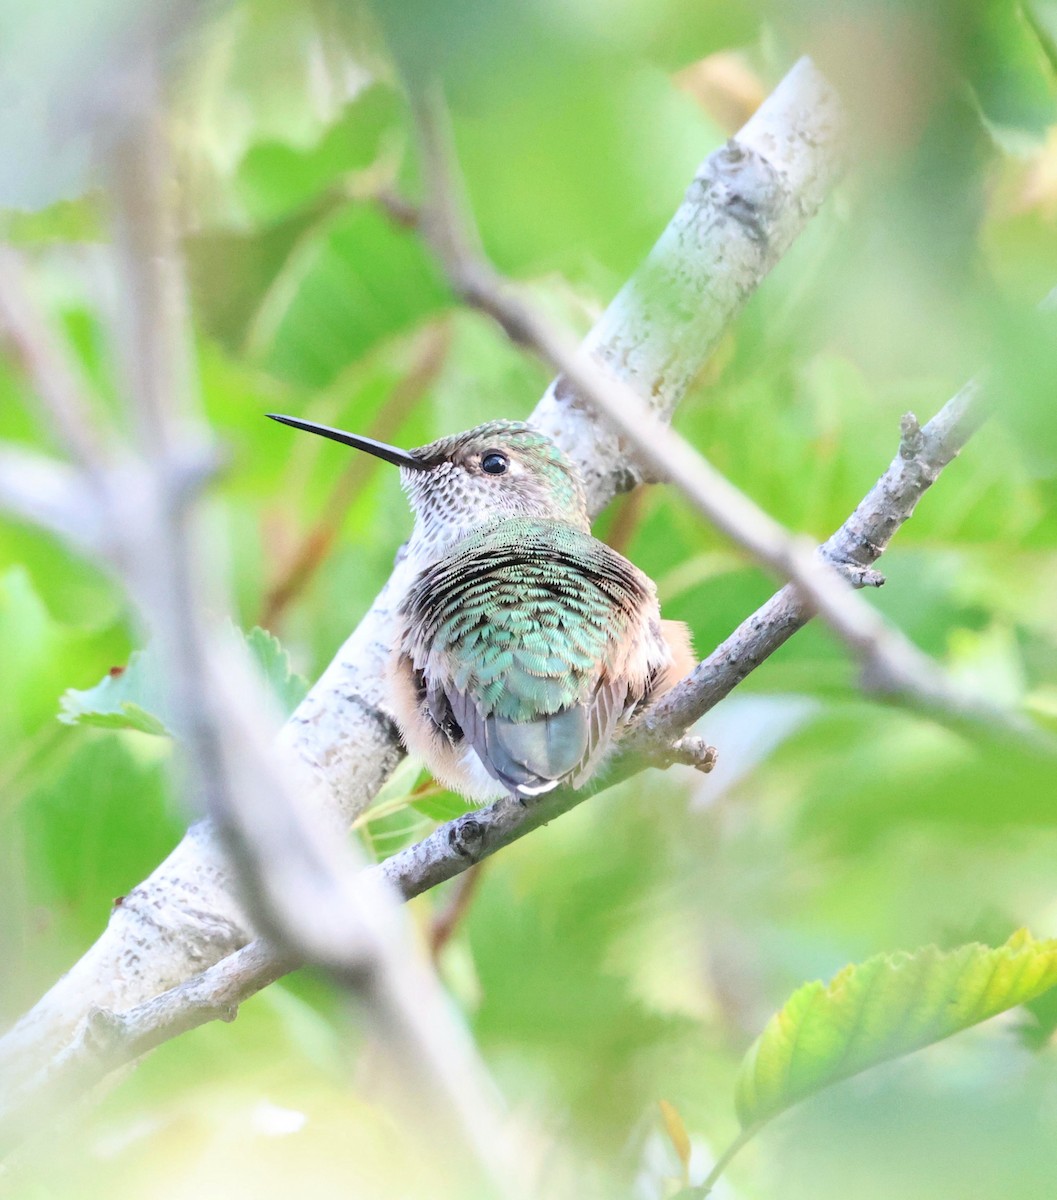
(524, 643)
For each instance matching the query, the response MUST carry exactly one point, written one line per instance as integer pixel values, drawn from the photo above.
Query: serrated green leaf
(131, 697)
(134, 697)
(289, 687)
(130, 716)
(885, 1007)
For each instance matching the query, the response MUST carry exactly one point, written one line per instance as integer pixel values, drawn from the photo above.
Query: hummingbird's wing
(530, 641)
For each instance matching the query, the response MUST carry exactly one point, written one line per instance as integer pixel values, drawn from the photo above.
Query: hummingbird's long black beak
(392, 454)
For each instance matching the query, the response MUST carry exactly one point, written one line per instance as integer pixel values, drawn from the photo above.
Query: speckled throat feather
(454, 496)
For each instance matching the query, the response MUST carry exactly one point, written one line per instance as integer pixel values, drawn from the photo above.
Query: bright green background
(632, 950)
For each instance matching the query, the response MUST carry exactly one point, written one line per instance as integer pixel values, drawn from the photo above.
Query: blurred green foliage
(632, 951)
(133, 698)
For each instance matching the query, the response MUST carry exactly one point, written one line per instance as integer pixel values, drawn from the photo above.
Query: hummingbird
(523, 644)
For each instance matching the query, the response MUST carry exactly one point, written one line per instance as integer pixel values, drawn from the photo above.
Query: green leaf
(445, 806)
(276, 178)
(292, 198)
(1041, 16)
(307, 295)
(345, 287)
(289, 687)
(881, 1009)
(79, 220)
(40, 656)
(231, 271)
(95, 825)
(131, 697)
(134, 697)
(1009, 69)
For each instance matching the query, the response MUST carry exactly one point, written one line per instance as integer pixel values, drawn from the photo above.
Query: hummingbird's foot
(694, 752)
(859, 576)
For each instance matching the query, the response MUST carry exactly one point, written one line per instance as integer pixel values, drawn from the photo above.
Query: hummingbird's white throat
(453, 499)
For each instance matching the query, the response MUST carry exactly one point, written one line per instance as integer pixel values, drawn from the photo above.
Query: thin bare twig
(629, 516)
(59, 388)
(859, 542)
(451, 915)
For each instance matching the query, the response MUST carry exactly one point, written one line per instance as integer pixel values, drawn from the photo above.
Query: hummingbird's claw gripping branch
(693, 752)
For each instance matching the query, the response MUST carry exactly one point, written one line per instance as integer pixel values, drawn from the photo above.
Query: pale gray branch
(52, 495)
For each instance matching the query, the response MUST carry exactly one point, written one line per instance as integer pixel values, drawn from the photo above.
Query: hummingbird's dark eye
(494, 463)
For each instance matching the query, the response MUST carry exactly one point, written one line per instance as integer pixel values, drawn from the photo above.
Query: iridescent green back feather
(524, 614)
(515, 631)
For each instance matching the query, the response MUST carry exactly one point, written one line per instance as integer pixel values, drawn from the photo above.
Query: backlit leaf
(676, 1130)
(288, 687)
(130, 697)
(883, 1008)
(135, 697)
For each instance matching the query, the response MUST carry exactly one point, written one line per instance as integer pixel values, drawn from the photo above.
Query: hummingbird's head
(501, 469)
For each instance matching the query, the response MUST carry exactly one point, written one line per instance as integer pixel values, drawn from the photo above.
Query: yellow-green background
(630, 951)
